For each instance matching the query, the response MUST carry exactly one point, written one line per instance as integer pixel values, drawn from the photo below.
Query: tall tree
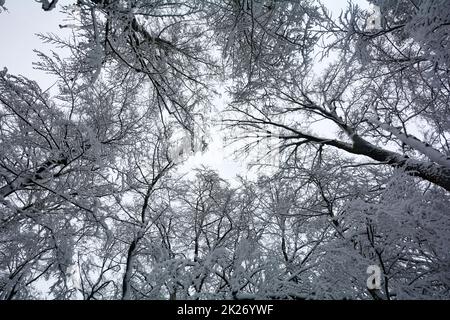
(93, 206)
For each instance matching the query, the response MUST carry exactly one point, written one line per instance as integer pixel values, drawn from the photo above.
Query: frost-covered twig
(48, 5)
(423, 147)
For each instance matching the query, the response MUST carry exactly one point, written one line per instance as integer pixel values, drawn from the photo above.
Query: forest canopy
(356, 106)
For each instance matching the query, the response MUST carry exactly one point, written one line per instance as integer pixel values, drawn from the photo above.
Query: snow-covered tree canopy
(94, 202)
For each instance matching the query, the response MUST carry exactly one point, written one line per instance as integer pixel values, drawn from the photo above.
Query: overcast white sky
(24, 19)
(18, 27)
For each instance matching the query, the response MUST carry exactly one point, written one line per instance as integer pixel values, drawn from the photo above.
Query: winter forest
(341, 120)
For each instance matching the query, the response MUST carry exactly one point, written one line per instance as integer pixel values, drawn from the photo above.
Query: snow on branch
(423, 147)
(48, 5)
